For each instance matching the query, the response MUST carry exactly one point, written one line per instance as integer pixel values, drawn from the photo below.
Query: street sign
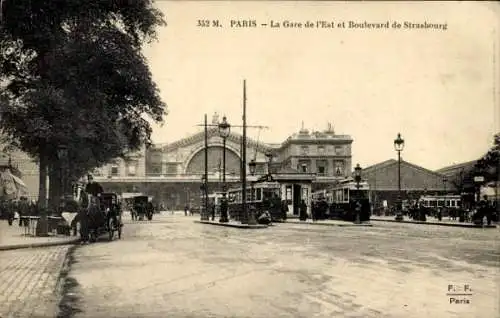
(479, 179)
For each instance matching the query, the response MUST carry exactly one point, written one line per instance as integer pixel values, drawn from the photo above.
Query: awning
(11, 186)
(19, 182)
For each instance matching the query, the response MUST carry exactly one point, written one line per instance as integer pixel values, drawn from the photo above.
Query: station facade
(172, 172)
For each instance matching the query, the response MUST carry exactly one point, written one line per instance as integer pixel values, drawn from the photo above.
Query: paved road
(29, 281)
(176, 268)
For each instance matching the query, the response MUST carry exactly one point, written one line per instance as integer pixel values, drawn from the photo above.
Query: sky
(438, 88)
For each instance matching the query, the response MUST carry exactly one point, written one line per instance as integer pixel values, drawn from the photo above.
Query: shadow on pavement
(68, 306)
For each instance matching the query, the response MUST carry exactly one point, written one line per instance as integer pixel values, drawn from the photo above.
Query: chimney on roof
(329, 129)
(303, 130)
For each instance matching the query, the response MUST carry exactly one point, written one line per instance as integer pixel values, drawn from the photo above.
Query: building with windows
(172, 172)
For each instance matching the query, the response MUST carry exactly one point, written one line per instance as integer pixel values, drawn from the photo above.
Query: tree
(487, 166)
(75, 76)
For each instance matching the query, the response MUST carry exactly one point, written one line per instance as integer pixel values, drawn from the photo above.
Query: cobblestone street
(177, 268)
(29, 281)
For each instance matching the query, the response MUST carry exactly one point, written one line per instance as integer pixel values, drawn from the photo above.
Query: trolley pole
(244, 157)
(246, 212)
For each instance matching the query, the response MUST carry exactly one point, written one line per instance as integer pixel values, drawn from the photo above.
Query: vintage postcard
(249, 159)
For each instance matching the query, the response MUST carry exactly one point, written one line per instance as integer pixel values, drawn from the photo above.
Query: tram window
(433, 203)
(448, 203)
(288, 192)
(345, 197)
(453, 203)
(458, 203)
(259, 194)
(440, 202)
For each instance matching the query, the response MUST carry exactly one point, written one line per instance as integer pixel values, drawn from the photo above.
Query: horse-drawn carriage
(142, 208)
(103, 215)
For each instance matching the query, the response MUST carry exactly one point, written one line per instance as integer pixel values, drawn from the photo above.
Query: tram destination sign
(478, 179)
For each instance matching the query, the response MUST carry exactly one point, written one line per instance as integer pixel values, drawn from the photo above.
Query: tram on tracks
(441, 201)
(345, 200)
(262, 196)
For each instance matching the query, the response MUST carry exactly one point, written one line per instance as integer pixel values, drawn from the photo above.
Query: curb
(439, 224)
(330, 224)
(238, 226)
(38, 245)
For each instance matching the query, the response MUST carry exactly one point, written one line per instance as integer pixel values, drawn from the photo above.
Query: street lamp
(251, 214)
(357, 175)
(399, 145)
(357, 178)
(224, 131)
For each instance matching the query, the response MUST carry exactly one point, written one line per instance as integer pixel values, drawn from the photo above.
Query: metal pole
(244, 154)
(399, 181)
(205, 193)
(224, 163)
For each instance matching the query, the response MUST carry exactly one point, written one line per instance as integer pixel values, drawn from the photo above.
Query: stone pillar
(163, 167)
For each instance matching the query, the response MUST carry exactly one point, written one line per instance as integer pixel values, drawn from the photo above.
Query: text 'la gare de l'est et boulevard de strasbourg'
(322, 24)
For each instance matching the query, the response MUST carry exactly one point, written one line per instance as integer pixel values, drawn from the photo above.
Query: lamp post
(224, 131)
(251, 213)
(399, 145)
(357, 178)
(204, 207)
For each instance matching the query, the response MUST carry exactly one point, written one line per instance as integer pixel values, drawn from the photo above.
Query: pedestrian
(212, 208)
(284, 209)
(186, 208)
(303, 211)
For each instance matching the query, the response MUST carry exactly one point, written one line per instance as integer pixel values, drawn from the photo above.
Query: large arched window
(197, 163)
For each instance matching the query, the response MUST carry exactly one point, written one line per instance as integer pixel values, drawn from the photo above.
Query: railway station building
(415, 182)
(172, 173)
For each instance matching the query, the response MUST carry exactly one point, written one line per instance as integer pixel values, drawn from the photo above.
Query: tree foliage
(74, 75)
(488, 165)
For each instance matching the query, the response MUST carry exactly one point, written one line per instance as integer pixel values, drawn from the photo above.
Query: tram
(440, 201)
(344, 199)
(265, 197)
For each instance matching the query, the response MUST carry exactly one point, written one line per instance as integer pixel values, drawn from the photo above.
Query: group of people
(22, 206)
(484, 210)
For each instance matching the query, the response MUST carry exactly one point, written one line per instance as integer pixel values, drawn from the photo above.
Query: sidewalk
(327, 223)
(12, 237)
(430, 221)
(233, 224)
